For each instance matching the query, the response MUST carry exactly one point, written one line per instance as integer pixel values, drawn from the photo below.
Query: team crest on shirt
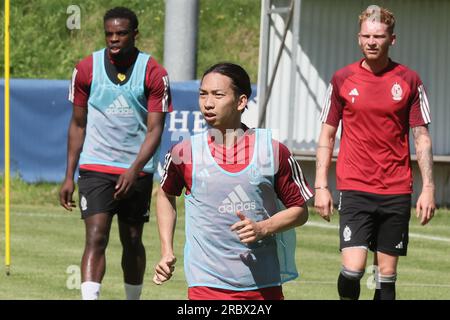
(347, 234)
(203, 177)
(254, 175)
(121, 76)
(397, 92)
(83, 203)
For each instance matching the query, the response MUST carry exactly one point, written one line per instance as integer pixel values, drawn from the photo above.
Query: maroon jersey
(156, 85)
(290, 184)
(377, 111)
(156, 88)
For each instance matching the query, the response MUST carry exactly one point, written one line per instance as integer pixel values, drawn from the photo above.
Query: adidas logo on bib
(237, 200)
(119, 107)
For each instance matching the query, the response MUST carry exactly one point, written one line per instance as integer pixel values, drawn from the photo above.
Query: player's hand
(425, 206)
(125, 183)
(247, 230)
(164, 269)
(323, 203)
(65, 194)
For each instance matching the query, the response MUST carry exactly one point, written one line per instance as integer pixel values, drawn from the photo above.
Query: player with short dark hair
(120, 97)
(122, 13)
(378, 101)
(240, 244)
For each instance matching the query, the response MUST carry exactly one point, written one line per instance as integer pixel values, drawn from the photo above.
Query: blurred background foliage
(43, 47)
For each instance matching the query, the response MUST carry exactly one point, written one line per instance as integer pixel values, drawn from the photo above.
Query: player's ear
(242, 102)
(393, 38)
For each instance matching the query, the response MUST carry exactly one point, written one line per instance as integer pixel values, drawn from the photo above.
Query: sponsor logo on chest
(119, 107)
(237, 200)
(353, 93)
(396, 93)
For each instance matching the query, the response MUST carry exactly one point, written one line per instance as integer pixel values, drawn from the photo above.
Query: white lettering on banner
(199, 122)
(183, 121)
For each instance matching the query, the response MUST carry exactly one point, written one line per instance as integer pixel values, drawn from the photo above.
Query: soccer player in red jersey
(239, 242)
(120, 97)
(378, 101)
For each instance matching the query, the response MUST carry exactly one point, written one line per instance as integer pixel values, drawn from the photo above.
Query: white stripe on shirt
(165, 98)
(72, 85)
(167, 161)
(326, 104)
(424, 106)
(299, 179)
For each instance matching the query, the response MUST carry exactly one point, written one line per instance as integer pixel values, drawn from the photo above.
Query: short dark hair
(240, 79)
(123, 13)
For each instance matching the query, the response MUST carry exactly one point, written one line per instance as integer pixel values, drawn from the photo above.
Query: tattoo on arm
(424, 153)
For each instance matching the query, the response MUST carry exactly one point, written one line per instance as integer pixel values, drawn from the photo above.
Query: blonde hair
(375, 13)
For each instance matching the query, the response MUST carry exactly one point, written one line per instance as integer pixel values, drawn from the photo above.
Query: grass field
(47, 244)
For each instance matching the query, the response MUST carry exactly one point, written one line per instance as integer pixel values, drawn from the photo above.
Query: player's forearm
(148, 148)
(74, 147)
(166, 216)
(424, 154)
(284, 220)
(324, 154)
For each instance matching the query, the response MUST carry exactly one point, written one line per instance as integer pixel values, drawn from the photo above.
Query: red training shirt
(377, 111)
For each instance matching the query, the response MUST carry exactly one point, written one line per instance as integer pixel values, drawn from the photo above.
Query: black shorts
(377, 222)
(96, 191)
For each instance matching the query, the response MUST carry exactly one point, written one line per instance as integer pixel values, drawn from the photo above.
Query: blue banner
(39, 120)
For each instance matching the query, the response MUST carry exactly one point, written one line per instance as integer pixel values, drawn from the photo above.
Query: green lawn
(47, 243)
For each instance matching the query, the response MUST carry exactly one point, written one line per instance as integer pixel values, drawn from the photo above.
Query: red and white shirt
(377, 111)
(290, 184)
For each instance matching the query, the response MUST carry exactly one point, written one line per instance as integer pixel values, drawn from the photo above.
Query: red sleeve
(290, 183)
(158, 88)
(419, 113)
(333, 105)
(178, 169)
(80, 86)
